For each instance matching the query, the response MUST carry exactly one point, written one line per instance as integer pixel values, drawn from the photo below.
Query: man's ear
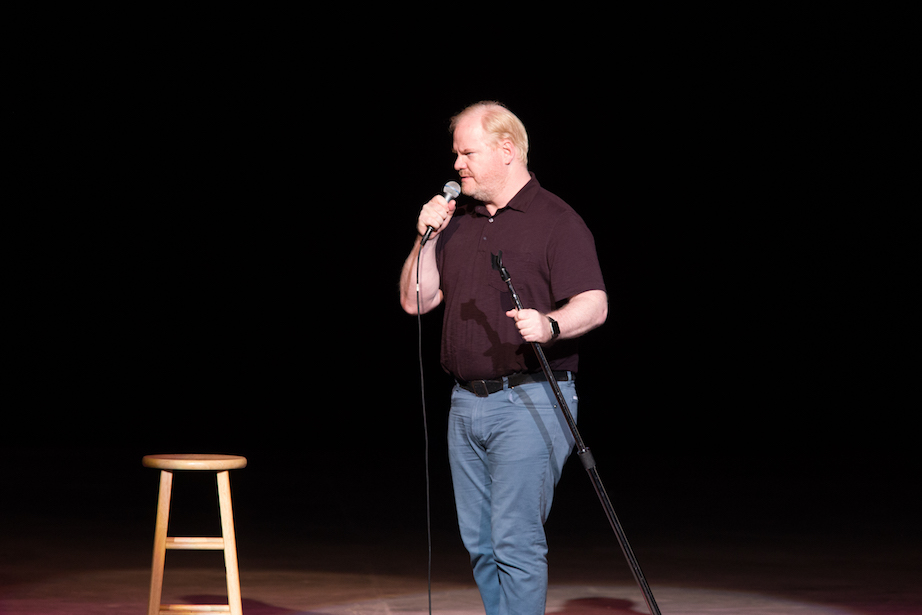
(508, 150)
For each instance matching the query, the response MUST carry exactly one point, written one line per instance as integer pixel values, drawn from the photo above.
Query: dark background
(213, 223)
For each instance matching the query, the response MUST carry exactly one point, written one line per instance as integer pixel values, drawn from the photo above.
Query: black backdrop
(213, 225)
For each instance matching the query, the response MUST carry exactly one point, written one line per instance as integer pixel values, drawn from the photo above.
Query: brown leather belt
(484, 388)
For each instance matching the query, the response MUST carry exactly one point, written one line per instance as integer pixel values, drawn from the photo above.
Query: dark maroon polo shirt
(550, 255)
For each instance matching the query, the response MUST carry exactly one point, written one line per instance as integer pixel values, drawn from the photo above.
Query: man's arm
(430, 295)
(435, 214)
(580, 315)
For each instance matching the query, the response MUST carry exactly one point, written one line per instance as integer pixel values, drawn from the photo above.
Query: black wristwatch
(555, 328)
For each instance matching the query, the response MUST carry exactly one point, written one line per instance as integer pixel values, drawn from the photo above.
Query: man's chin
(471, 191)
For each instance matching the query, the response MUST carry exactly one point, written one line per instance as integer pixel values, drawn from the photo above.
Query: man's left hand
(533, 325)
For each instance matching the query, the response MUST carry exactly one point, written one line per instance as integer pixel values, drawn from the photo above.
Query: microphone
(450, 191)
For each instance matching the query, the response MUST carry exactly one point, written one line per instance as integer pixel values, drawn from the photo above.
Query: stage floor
(79, 569)
(76, 539)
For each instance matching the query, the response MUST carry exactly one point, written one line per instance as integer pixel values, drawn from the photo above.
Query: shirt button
(491, 220)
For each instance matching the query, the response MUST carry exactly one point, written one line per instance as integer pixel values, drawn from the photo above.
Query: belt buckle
(480, 388)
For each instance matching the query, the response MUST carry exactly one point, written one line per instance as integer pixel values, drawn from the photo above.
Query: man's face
(479, 163)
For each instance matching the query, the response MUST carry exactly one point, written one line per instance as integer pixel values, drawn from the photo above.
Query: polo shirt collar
(520, 202)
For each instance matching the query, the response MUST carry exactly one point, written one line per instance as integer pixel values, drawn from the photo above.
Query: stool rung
(179, 609)
(186, 542)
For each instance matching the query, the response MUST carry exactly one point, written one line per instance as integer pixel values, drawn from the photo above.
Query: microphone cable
(451, 190)
(422, 390)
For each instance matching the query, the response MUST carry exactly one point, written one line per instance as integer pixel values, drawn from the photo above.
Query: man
(507, 440)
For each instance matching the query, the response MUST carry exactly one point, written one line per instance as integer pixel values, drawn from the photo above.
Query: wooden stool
(226, 542)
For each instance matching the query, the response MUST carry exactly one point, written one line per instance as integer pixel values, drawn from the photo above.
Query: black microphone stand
(585, 456)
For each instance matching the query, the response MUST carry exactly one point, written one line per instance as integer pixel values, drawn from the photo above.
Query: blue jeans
(506, 453)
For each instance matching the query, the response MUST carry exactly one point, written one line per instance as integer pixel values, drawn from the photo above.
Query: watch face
(555, 328)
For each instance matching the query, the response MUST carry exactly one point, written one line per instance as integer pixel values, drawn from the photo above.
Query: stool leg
(230, 544)
(163, 518)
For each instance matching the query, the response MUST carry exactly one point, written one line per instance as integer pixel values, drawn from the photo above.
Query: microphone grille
(452, 189)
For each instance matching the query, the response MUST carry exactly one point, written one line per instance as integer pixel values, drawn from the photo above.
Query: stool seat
(194, 462)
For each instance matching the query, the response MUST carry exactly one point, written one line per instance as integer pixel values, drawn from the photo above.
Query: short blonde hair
(499, 122)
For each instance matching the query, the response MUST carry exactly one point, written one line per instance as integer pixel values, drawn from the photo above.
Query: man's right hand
(436, 213)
